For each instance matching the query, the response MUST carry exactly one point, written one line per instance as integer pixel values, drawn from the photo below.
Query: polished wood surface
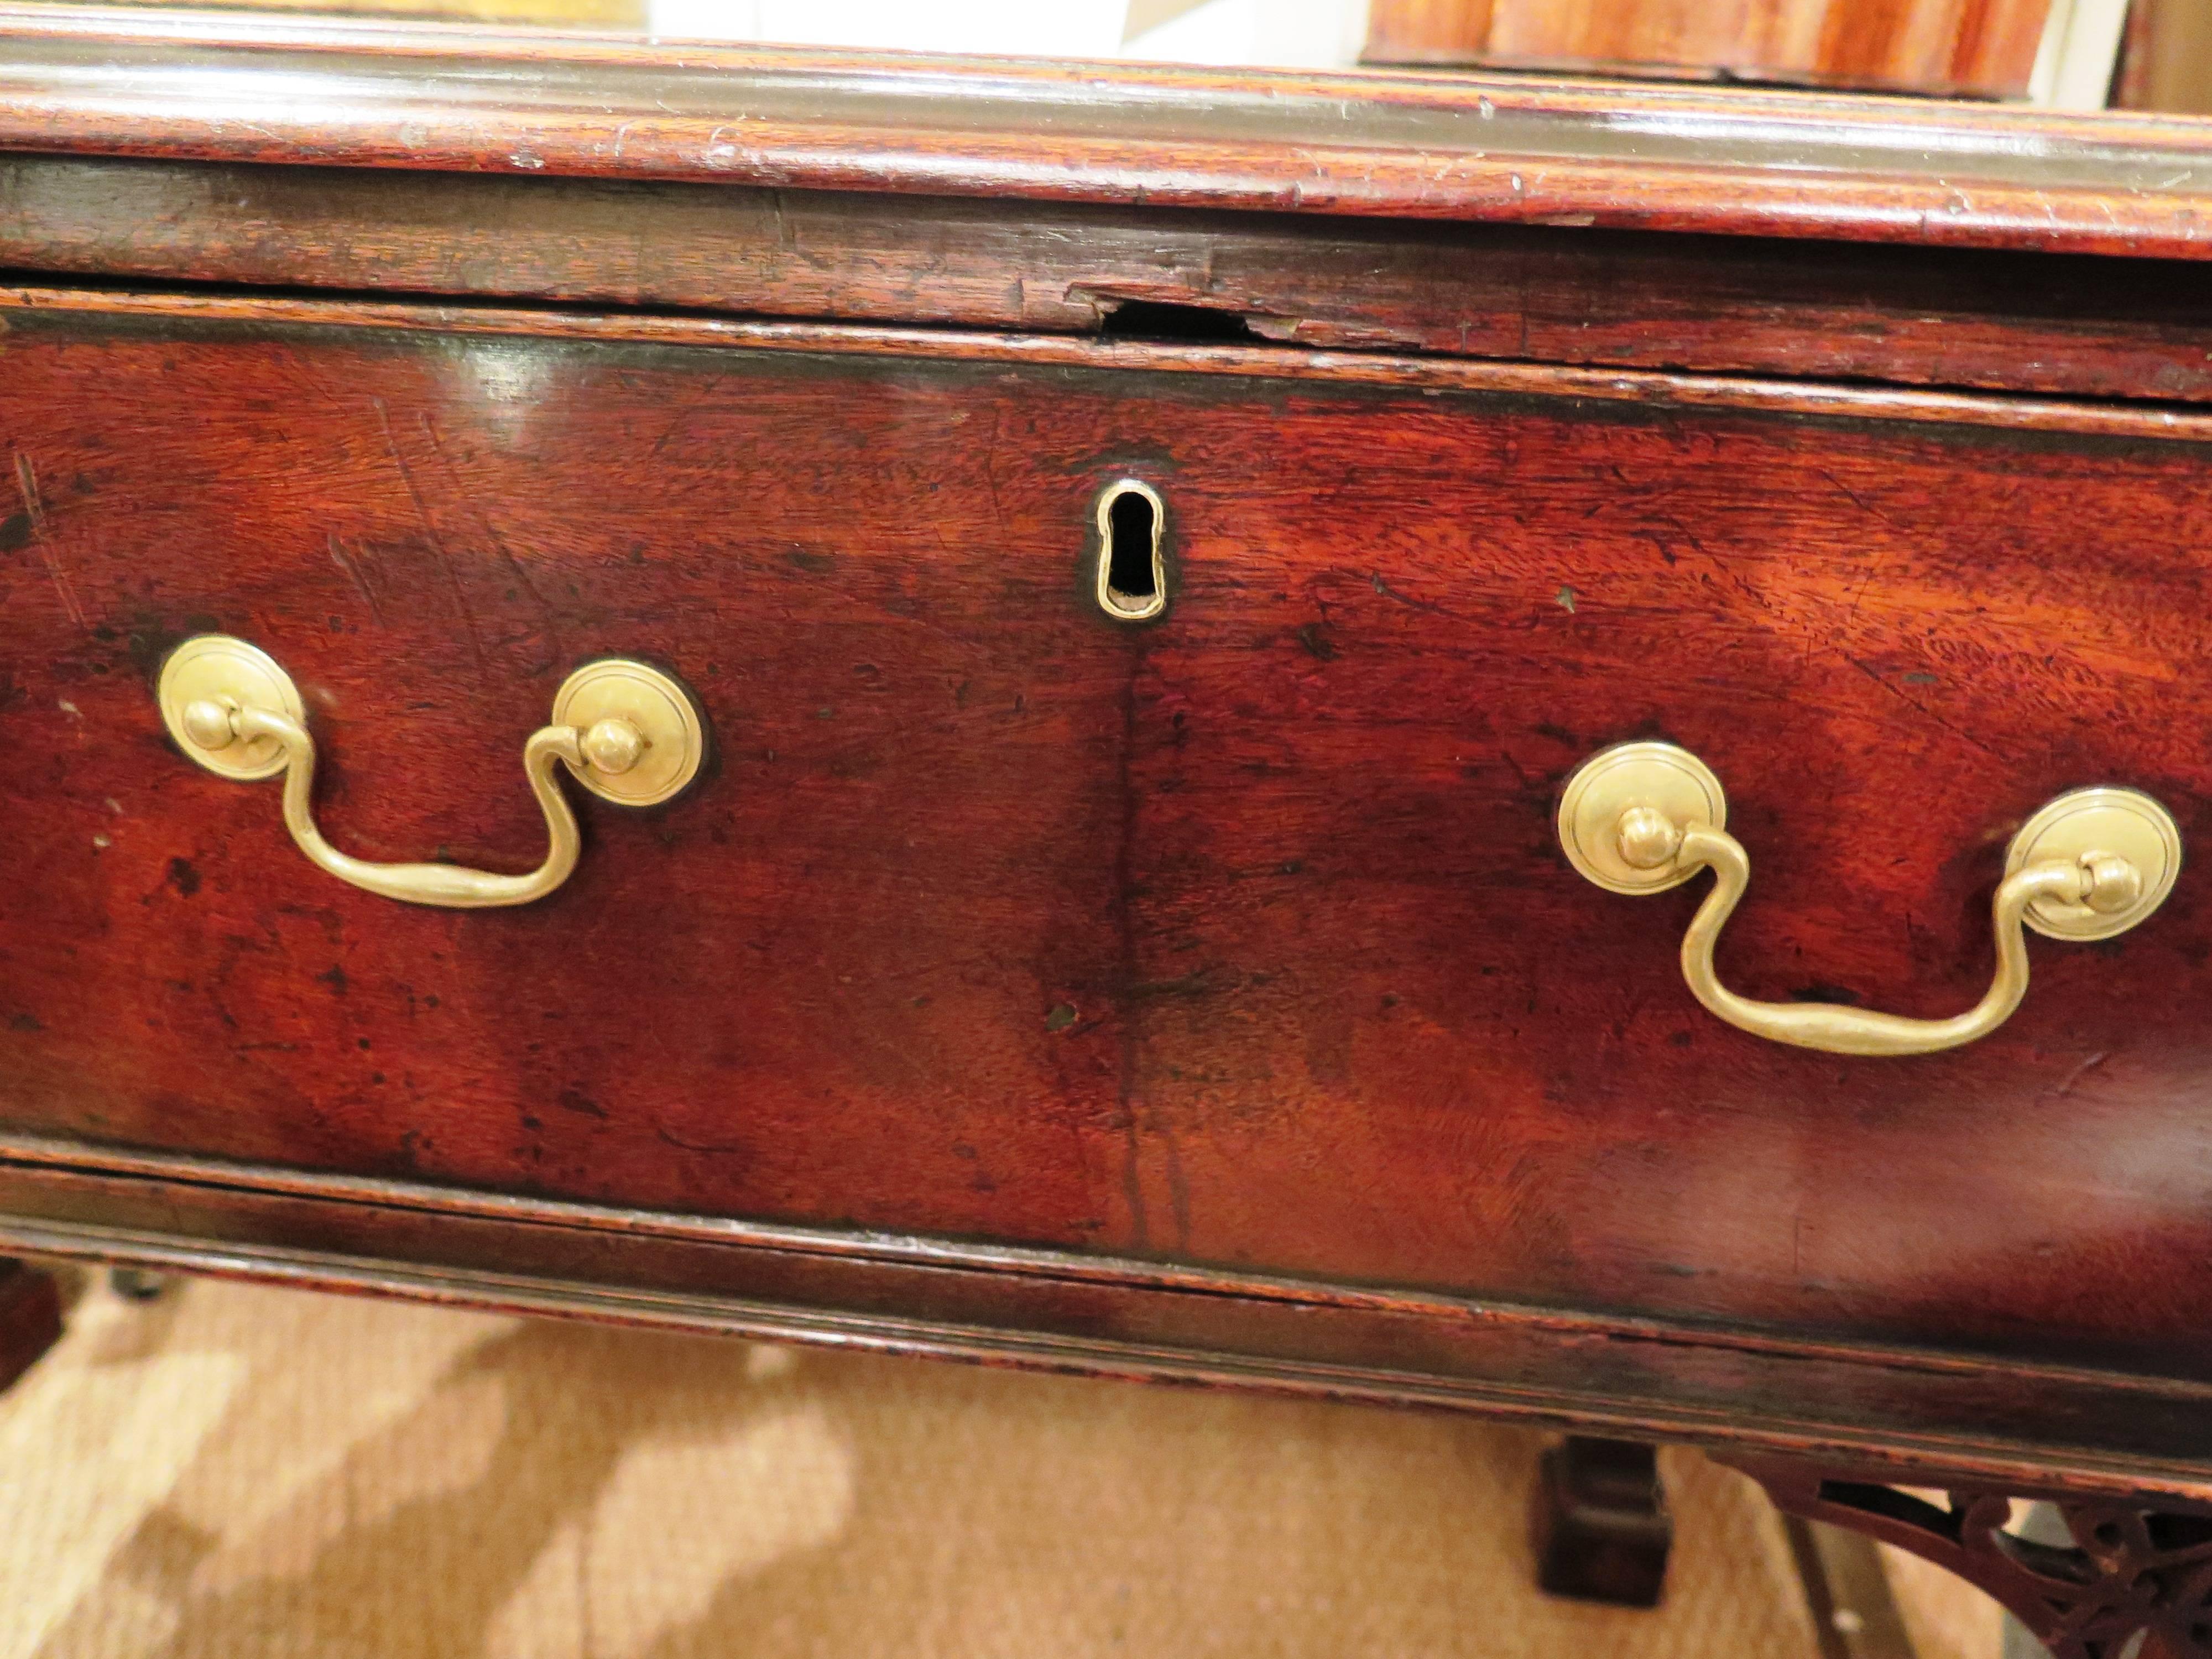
(1206, 1001)
(1238, 939)
(238, 88)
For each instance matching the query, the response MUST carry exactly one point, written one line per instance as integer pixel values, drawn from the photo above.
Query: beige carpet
(236, 1472)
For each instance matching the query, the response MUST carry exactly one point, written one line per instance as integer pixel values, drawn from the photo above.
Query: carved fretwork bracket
(2133, 1565)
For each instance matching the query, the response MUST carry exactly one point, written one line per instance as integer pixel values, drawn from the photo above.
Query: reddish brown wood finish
(2127, 1577)
(1971, 48)
(1912, 1413)
(1230, 362)
(226, 88)
(2080, 325)
(1241, 939)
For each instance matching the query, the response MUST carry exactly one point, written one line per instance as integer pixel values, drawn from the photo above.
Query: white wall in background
(1050, 28)
(2079, 49)
(1281, 33)
(1275, 33)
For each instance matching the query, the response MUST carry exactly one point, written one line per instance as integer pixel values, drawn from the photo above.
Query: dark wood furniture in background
(1957, 48)
(2166, 59)
(1206, 997)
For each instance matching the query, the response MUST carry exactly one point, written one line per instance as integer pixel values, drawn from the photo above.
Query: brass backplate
(1629, 775)
(215, 668)
(658, 706)
(2124, 822)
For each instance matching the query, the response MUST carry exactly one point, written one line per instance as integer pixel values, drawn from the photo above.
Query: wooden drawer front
(1242, 938)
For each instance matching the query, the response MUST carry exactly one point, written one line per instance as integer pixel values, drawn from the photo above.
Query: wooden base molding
(1992, 1421)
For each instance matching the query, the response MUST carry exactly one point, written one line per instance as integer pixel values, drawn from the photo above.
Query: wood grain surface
(2068, 324)
(239, 88)
(1241, 938)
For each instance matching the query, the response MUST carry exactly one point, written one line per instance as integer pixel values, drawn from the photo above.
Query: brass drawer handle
(626, 732)
(1644, 817)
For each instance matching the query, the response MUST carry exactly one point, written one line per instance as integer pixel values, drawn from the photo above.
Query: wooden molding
(244, 88)
(2012, 322)
(1910, 1414)
(23, 305)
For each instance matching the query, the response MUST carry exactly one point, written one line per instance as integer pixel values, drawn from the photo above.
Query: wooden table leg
(1599, 1523)
(1854, 1615)
(30, 1317)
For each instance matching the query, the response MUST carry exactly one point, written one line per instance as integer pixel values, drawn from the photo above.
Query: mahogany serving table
(1107, 634)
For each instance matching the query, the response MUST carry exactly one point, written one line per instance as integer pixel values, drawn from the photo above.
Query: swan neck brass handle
(1845, 1030)
(452, 885)
(627, 731)
(1642, 818)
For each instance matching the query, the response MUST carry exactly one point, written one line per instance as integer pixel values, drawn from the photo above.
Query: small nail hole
(1131, 583)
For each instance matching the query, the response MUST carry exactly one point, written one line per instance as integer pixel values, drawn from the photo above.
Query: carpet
(233, 1472)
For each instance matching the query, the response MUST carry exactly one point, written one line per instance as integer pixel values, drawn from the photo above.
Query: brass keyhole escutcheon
(1132, 575)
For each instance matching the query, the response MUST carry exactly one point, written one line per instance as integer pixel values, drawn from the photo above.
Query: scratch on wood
(684, 411)
(344, 562)
(2066, 1083)
(27, 481)
(1919, 707)
(430, 533)
(1388, 591)
(1857, 500)
(989, 468)
(514, 565)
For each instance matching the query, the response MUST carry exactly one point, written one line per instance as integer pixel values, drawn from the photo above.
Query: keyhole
(1131, 583)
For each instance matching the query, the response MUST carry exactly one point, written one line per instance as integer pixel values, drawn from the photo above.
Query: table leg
(30, 1317)
(1599, 1523)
